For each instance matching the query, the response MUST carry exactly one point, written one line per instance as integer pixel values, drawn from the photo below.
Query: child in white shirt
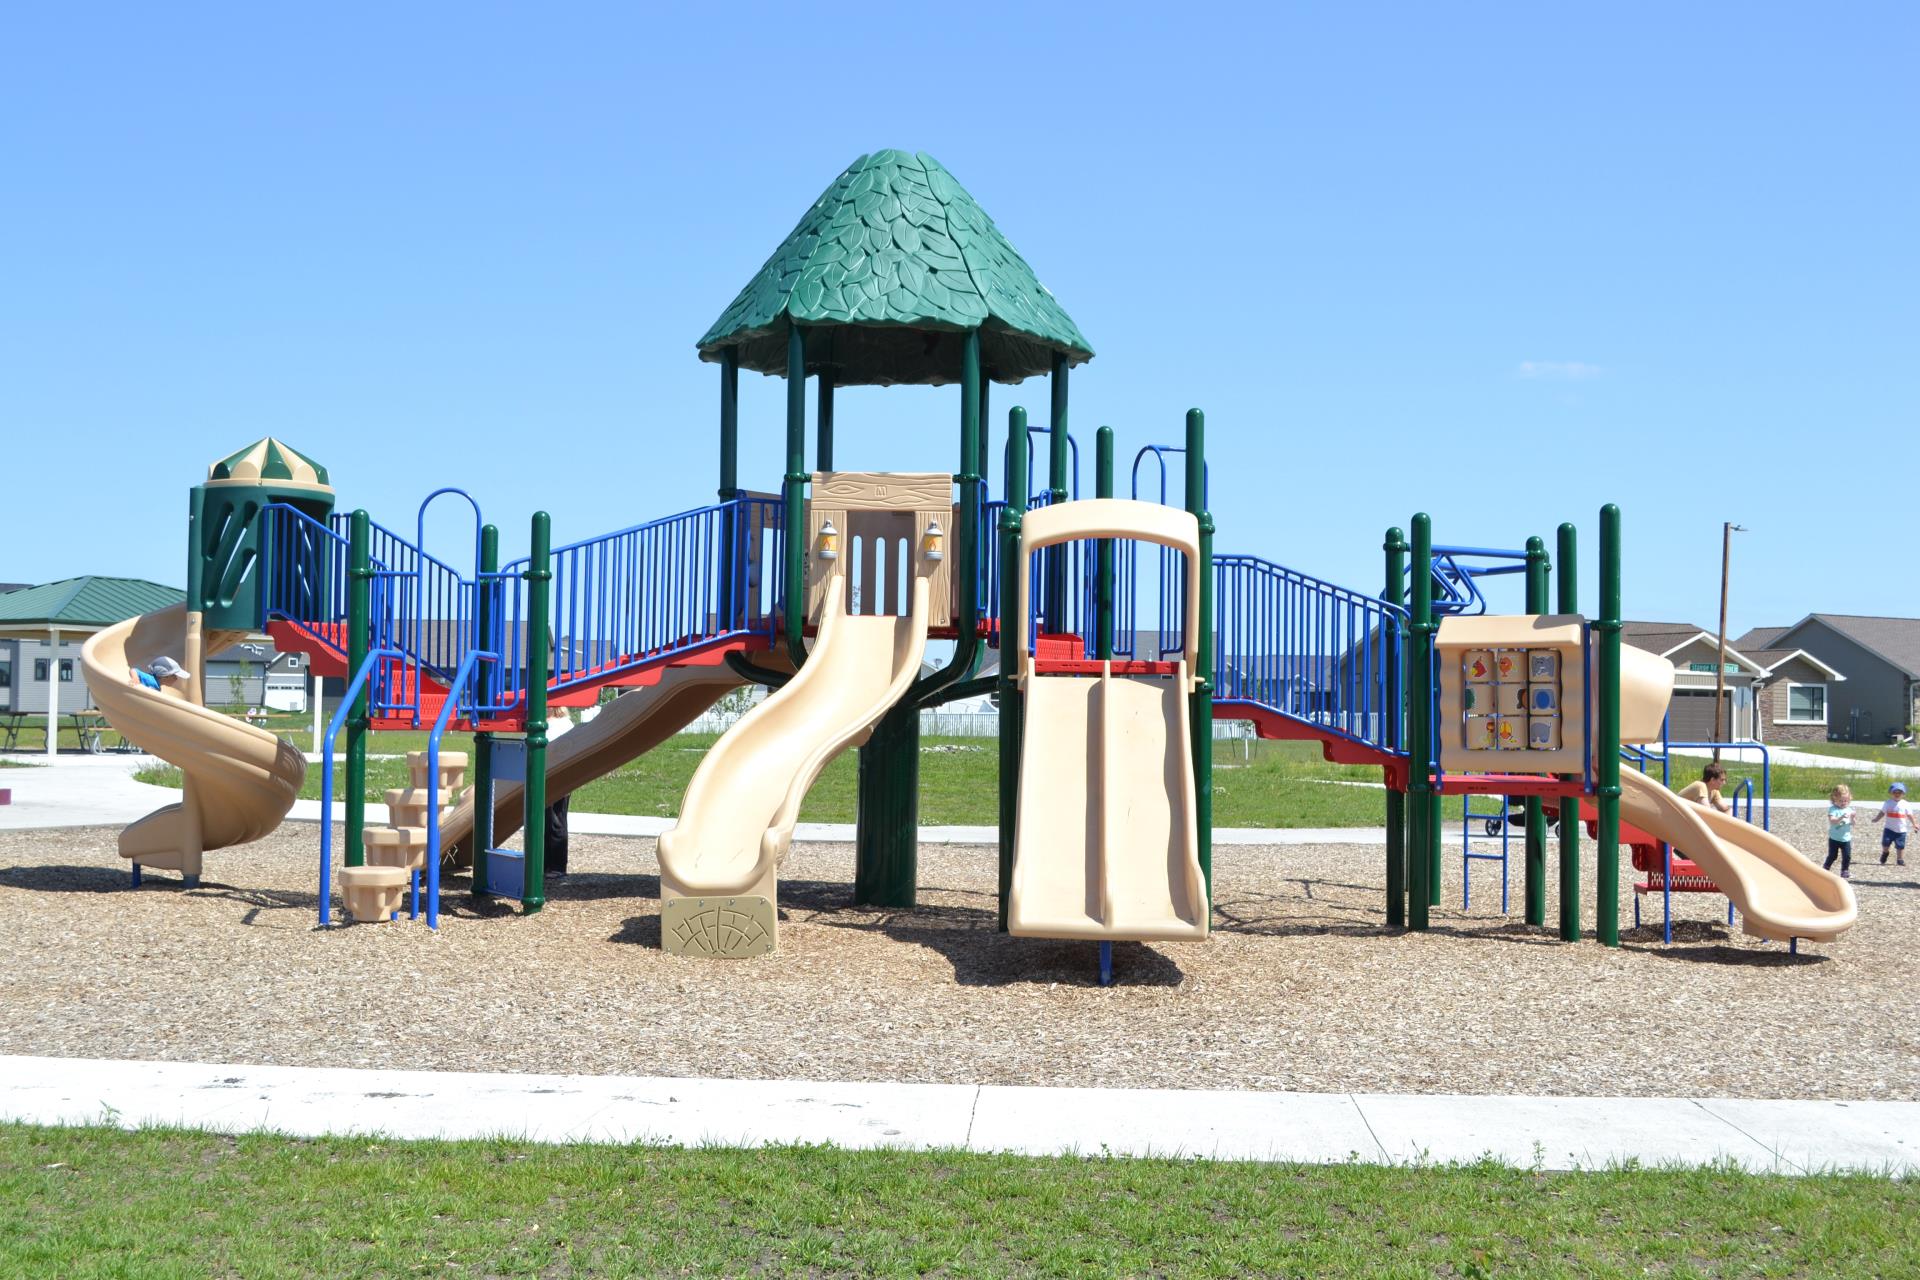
(1897, 818)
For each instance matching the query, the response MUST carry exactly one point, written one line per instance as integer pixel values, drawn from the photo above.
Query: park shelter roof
(83, 603)
(889, 267)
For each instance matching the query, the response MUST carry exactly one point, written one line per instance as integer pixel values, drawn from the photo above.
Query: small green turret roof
(889, 267)
(268, 460)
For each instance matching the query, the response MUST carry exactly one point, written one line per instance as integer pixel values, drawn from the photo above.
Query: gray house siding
(1873, 701)
(30, 693)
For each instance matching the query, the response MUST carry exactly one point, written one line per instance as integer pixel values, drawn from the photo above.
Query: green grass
(1276, 784)
(100, 1202)
(1880, 753)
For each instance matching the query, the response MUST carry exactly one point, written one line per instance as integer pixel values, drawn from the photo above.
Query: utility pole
(1727, 529)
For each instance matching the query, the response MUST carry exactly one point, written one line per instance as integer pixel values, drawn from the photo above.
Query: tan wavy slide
(632, 724)
(1780, 894)
(240, 780)
(718, 864)
(1106, 842)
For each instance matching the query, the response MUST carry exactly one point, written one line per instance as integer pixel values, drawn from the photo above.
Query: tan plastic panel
(1780, 894)
(1107, 843)
(1562, 632)
(1646, 689)
(886, 504)
(631, 725)
(240, 779)
(737, 819)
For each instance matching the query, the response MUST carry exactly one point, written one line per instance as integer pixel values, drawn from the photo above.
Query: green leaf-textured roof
(83, 602)
(889, 267)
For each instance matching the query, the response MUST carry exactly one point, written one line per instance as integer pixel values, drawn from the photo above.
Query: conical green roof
(889, 267)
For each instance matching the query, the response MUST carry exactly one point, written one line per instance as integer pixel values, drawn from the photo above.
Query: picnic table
(90, 729)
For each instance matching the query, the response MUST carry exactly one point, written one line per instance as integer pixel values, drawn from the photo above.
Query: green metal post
(1565, 553)
(887, 838)
(1104, 567)
(823, 429)
(1536, 872)
(1054, 608)
(1394, 593)
(729, 424)
(359, 623)
(482, 838)
(539, 577)
(983, 459)
(729, 478)
(1010, 704)
(1421, 824)
(794, 495)
(1606, 897)
(1201, 710)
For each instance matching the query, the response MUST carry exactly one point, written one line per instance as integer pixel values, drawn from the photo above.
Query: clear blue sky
(1499, 263)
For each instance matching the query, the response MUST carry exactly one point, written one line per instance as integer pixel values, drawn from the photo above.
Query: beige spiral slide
(240, 780)
(1780, 894)
(718, 865)
(1106, 842)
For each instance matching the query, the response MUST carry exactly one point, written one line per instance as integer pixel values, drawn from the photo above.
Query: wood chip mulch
(1302, 986)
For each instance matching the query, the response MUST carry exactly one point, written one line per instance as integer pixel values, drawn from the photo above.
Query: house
(1875, 691)
(1694, 653)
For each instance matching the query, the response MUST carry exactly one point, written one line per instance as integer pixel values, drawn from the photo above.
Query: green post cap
(270, 461)
(889, 267)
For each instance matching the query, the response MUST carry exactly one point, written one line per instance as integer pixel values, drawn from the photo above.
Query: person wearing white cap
(162, 674)
(1898, 817)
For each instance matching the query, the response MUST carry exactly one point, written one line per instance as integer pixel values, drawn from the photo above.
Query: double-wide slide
(240, 780)
(1780, 894)
(718, 864)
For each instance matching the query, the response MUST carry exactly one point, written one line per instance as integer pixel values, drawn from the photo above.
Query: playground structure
(1120, 637)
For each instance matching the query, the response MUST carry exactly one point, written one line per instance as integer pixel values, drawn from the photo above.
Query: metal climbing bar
(1303, 648)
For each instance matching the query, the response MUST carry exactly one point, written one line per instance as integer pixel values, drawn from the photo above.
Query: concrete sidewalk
(80, 790)
(1788, 1137)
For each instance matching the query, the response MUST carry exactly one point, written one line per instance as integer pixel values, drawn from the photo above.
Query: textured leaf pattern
(895, 240)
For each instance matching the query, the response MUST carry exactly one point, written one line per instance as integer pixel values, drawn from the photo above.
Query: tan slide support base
(631, 725)
(727, 928)
(240, 779)
(738, 816)
(1779, 893)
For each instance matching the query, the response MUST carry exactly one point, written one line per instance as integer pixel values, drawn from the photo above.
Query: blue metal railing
(305, 568)
(461, 681)
(376, 659)
(640, 595)
(1301, 647)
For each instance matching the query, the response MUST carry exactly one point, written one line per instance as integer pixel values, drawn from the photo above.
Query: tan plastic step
(453, 769)
(373, 893)
(396, 847)
(407, 806)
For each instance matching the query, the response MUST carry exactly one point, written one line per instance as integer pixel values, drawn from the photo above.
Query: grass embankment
(1880, 753)
(99, 1202)
(1269, 784)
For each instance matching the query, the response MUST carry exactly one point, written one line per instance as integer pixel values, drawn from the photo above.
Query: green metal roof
(85, 602)
(889, 267)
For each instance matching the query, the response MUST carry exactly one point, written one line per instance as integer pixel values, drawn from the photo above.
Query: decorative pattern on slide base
(726, 928)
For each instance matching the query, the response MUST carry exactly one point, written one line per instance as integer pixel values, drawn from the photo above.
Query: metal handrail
(374, 656)
(1305, 648)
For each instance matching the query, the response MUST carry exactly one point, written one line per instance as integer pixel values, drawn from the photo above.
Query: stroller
(1515, 818)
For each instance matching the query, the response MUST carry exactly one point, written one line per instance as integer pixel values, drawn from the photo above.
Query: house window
(39, 670)
(1805, 704)
(66, 671)
(6, 675)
